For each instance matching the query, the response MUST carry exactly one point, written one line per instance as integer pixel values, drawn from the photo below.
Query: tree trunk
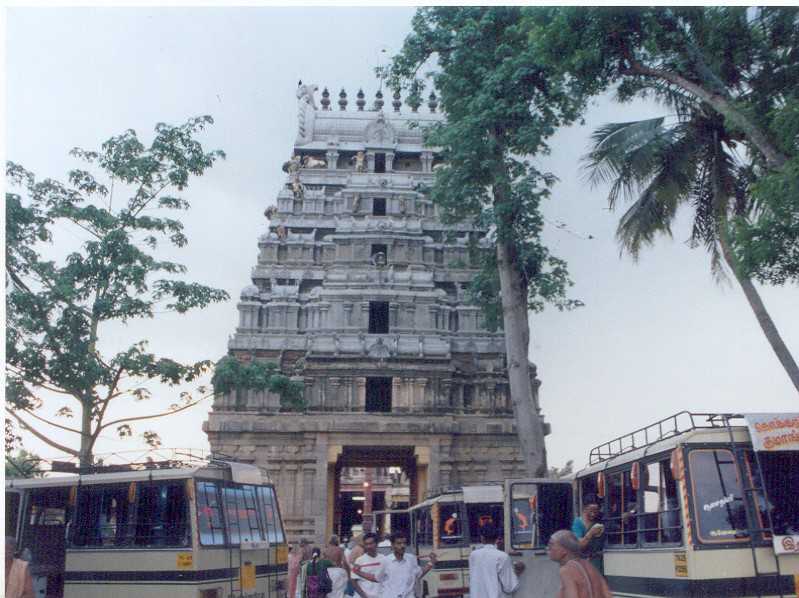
(517, 335)
(762, 315)
(774, 158)
(86, 441)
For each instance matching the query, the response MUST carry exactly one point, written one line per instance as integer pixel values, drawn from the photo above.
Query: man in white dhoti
(492, 574)
(400, 571)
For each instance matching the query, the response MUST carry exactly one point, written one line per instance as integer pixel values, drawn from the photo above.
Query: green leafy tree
(741, 63)
(23, 464)
(233, 375)
(61, 307)
(501, 107)
(690, 162)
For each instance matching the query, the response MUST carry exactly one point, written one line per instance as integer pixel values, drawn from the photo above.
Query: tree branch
(47, 421)
(41, 436)
(154, 416)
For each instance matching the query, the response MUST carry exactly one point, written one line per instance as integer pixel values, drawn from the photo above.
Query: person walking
(578, 577)
(19, 583)
(371, 562)
(313, 577)
(338, 573)
(301, 551)
(400, 571)
(492, 574)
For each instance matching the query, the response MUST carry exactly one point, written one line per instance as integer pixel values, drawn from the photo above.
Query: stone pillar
(365, 315)
(370, 161)
(389, 161)
(418, 398)
(348, 314)
(332, 159)
(323, 315)
(397, 404)
(393, 322)
(427, 161)
(360, 394)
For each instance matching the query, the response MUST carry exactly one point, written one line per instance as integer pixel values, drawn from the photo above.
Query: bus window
(271, 515)
(102, 516)
(241, 514)
(523, 503)
(12, 513)
(781, 482)
(554, 510)
(659, 522)
(718, 497)
(621, 510)
(482, 514)
(424, 527)
(209, 514)
(161, 515)
(451, 524)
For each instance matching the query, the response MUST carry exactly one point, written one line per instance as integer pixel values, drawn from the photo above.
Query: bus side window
(781, 481)
(483, 514)
(209, 514)
(12, 512)
(161, 515)
(102, 516)
(271, 515)
(451, 523)
(659, 523)
(622, 509)
(718, 496)
(424, 527)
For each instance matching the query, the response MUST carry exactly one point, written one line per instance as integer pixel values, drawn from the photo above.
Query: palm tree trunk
(762, 315)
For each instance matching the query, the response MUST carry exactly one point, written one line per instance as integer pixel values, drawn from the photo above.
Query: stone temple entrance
(368, 480)
(360, 294)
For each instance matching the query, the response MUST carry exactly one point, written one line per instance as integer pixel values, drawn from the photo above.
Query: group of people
(332, 572)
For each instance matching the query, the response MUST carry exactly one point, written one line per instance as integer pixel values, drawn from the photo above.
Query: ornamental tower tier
(359, 293)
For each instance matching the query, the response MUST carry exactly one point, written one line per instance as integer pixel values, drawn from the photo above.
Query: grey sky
(654, 337)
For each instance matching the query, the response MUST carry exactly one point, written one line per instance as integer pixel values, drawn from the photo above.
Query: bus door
(43, 536)
(534, 510)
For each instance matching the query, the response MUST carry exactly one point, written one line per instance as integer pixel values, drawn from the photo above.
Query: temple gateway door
(366, 479)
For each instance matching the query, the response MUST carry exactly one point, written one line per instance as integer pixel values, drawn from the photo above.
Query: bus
(157, 529)
(699, 505)
(526, 513)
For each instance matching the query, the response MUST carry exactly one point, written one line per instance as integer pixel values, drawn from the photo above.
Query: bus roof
(664, 435)
(239, 472)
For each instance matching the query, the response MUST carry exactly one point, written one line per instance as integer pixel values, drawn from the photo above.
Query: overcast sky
(653, 338)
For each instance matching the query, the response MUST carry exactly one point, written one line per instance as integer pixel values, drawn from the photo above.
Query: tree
(23, 464)
(741, 63)
(62, 308)
(690, 162)
(501, 107)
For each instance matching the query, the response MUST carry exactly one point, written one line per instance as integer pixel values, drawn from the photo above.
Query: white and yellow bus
(526, 512)
(700, 505)
(156, 530)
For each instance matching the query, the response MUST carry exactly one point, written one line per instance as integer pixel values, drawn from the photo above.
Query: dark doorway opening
(378, 317)
(380, 162)
(379, 206)
(378, 395)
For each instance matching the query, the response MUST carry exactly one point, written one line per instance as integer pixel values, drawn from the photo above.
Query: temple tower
(359, 293)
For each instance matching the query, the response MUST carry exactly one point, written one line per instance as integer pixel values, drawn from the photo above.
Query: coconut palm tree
(660, 164)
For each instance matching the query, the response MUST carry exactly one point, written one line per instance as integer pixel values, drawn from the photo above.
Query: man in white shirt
(371, 562)
(491, 571)
(400, 571)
